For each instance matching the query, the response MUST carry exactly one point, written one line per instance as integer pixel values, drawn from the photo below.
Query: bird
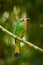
(19, 30)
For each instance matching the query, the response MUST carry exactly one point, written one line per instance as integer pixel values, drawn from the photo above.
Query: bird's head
(24, 20)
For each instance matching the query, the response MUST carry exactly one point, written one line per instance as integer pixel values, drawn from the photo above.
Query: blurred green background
(10, 12)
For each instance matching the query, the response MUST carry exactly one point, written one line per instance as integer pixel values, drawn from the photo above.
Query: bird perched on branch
(19, 30)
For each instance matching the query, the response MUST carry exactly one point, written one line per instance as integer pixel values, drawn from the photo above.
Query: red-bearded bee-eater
(19, 31)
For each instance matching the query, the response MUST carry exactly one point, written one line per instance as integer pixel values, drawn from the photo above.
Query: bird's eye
(22, 19)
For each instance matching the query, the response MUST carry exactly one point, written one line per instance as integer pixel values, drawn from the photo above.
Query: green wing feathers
(19, 31)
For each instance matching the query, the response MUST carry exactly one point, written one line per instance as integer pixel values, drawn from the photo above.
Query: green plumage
(19, 31)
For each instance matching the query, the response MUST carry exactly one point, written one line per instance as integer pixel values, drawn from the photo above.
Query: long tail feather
(17, 48)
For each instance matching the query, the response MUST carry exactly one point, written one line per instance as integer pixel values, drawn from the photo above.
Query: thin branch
(24, 41)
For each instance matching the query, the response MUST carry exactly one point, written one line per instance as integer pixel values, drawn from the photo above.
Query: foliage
(10, 12)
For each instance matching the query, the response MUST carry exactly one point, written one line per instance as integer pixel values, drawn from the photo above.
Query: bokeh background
(10, 12)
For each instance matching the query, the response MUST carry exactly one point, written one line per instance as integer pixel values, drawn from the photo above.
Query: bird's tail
(17, 48)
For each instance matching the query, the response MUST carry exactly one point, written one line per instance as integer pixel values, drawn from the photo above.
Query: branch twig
(24, 41)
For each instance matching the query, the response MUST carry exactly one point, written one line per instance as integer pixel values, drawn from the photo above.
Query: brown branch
(24, 41)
